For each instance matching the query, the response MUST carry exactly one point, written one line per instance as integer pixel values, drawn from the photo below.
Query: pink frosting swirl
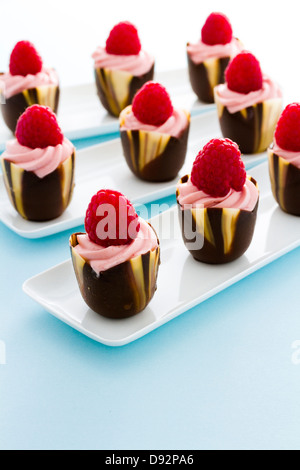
(244, 200)
(200, 52)
(289, 156)
(42, 162)
(136, 65)
(11, 85)
(173, 126)
(103, 258)
(235, 101)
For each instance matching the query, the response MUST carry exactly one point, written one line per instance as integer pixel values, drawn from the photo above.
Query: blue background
(220, 376)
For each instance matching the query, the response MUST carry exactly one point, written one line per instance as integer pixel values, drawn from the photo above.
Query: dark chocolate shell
(39, 199)
(122, 291)
(152, 156)
(251, 128)
(204, 77)
(13, 107)
(215, 235)
(285, 183)
(116, 89)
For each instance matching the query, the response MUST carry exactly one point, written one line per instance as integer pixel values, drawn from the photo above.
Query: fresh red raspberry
(244, 74)
(216, 30)
(219, 167)
(123, 40)
(152, 104)
(287, 133)
(111, 219)
(25, 59)
(37, 127)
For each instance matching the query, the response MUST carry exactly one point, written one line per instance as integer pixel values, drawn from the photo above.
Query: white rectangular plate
(276, 233)
(81, 114)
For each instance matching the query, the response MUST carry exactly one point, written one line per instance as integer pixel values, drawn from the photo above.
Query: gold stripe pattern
(270, 114)
(220, 107)
(45, 96)
(152, 144)
(79, 263)
(282, 174)
(278, 183)
(67, 168)
(15, 190)
(229, 221)
(203, 225)
(116, 87)
(141, 292)
(212, 67)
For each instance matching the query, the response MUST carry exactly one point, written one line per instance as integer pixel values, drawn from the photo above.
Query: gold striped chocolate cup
(121, 291)
(204, 77)
(215, 235)
(152, 156)
(116, 88)
(13, 107)
(39, 199)
(285, 183)
(251, 128)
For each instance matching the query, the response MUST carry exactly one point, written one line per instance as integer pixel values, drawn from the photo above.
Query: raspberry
(37, 127)
(152, 104)
(219, 167)
(287, 133)
(123, 40)
(111, 219)
(216, 30)
(244, 74)
(25, 60)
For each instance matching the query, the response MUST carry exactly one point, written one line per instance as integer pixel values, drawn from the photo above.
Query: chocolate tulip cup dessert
(121, 68)
(38, 166)
(154, 134)
(116, 261)
(209, 57)
(26, 83)
(217, 204)
(284, 160)
(249, 104)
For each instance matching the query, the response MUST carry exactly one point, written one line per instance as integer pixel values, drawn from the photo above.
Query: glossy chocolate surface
(40, 199)
(200, 78)
(285, 183)
(225, 236)
(244, 129)
(161, 166)
(107, 94)
(122, 291)
(251, 128)
(17, 104)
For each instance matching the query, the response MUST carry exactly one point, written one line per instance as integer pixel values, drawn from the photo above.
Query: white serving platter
(276, 233)
(103, 166)
(81, 114)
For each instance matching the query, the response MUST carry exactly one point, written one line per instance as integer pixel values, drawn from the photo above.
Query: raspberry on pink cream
(219, 167)
(123, 40)
(287, 133)
(122, 220)
(216, 30)
(152, 104)
(25, 59)
(244, 74)
(37, 127)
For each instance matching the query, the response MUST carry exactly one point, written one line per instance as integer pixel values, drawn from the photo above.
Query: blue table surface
(224, 375)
